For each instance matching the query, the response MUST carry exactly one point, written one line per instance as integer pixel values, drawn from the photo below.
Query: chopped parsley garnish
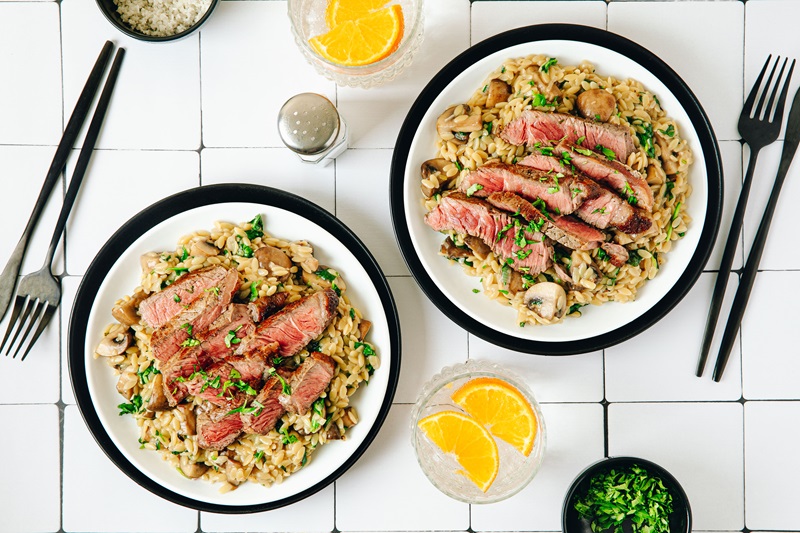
(459, 166)
(608, 152)
(539, 100)
(254, 290)
(580, 140)
(583, 151)
(179, 270)
(672, 219)
(277, 360)
(503, 231)
(522, 254)
(669, 132)
(176, 298)
(554, 189)
(256, 228)
(214, 289)
(476, 291)
(190, 342)
(646, 139)
(488, 127)
(325, 274)
(258, 455)
(541, 206)
(484, 88)
(367, 348)
(352, 313)
(576, 191)
(475, 187)
(285, 437)
(188, 327)
(286, 389)
(547, 64)
(255, 408)
(626, 494)
(601, 210)
(574, 308)
(231, 338)
(144, 375)
(601, 254)
(131, 408)
(670, 185)
(244, 250)
(184, 253)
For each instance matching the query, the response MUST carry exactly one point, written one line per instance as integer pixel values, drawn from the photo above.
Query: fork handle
(727, 261)
(85, 154)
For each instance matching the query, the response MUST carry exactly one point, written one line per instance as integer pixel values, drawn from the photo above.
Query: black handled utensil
(8, 279)
(790, 144)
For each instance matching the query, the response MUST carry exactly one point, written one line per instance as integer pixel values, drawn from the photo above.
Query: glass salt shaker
(310, 126)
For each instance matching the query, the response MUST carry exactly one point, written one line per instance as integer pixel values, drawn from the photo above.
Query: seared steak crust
(307, 382)
(157, 309)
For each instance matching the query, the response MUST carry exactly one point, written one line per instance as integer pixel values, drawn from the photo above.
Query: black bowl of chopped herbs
(626, 495)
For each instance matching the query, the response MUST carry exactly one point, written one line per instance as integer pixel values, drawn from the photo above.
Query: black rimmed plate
(600, 326)
(115, 272)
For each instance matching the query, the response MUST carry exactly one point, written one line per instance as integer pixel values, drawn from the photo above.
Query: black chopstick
(71, 131)
(88, 144)
(754, 258)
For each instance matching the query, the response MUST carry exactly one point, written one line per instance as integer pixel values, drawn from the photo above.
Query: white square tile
(362, 203)
(683, 29)
(41, 367)
(660, 363)
(430, 340)
(315, 513)
(69, 289)
(771, 467)
(34, 468)
(769, 356)
(94, 489)
(23, 169)
(701, 444)
(119, 184)
(574, 378)
(732, 184)
(574, 441)
(247, 75)
(491, 18)
(387, 491)
(30, 105)
(773, 18)
(374, 116)
(156, 101)
(776, 256)
(273, 167)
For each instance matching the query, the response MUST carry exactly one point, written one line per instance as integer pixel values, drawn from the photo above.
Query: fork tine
(751, 98)
(768, 111)
(19, 302)
(760, 106)
(36, 310)
(26, 311)
(46, 316)
(782, 99)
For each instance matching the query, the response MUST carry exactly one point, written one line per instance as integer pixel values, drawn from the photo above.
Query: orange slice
(502, 409)
(473, 446)
(339, 11)
(362, 41)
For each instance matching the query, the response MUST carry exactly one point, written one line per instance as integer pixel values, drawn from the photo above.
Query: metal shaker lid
(308, 123)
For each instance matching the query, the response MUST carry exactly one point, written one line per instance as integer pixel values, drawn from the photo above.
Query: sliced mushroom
(268, 256)
(428, 170)
(149, 261)
(158, 399)
(114, 344)
(449, 125)
(363, 329)
(203, 249)
(512, 280)
(191, 469)
(333, 433)
(562, 273)
(234, 471)
(479, 248)
(450, 250)
(670, 167)
(498, 91)
(596, 104)
(547, 299)
(652, 175)
(189, 423)
(124, 386)
(126, 311)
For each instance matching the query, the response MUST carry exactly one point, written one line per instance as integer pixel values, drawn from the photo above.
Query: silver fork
(39, 294)
(758, 128)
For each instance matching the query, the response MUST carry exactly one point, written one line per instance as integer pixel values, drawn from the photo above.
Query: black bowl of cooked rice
(160, 21)
(568, 298)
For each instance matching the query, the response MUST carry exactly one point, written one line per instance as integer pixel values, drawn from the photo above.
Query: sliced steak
(522, 247)
(590, 201)
(271, 409)
(523, 180)
(227, 332)
(533, 127)
(194, 321)
(157, 309)
(224, 385)
(179, 369)
(217, 428)
(563, 229)
(617, 254)
(266, 306)
(294, 326)
(310, 380)
(628, 183)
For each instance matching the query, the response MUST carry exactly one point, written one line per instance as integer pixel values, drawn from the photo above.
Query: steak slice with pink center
(521, 247)
(533, 127)
(271, 408)
(157, 309)
(217, 427)
(308, 382)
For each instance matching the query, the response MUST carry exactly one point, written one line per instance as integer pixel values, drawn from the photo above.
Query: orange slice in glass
(502, 409)
(473, 446)
(339, 11)
(362, 41)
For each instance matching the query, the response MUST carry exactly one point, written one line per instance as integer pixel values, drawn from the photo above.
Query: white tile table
(202, 111)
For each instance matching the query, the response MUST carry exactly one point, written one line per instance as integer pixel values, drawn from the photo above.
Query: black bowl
(109, 9)
(680, 520)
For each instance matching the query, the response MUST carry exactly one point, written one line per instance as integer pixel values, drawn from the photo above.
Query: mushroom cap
(114, 344)
(547, 299)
